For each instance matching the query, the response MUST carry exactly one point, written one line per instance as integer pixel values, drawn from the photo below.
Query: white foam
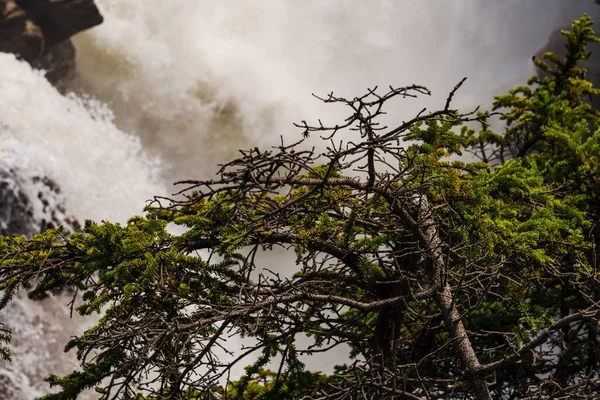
(199, 79)
(103, 172)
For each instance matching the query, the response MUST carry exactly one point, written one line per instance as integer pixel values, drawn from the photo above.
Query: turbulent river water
(168, 89)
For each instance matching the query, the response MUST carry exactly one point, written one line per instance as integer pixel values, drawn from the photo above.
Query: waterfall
(165, 90)
(197, 80)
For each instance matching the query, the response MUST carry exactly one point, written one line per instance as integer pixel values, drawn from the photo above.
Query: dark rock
(38, 31)
(16, 212)
(61, 19)
(18, 34)
(29, 206)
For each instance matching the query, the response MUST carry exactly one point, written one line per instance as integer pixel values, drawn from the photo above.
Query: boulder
(30, 205)
(18, 34)
(61, 19)
(38, 31)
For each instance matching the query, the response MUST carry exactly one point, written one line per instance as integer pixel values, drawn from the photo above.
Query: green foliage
(444, 277)
(266, 384)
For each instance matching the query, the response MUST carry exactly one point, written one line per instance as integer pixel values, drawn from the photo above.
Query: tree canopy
(446, 278)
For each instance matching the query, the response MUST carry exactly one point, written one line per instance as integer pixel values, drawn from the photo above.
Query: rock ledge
(39, 32)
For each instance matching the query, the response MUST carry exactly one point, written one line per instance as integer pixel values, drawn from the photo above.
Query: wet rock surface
(31, 205)
(61, 19)
(18, 34)
(39, 32)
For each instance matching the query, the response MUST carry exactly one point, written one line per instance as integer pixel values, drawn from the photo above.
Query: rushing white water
(199, 79)
(196, 80)
(103, 174)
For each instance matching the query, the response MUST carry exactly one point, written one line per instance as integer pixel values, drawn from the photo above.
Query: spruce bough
(446, 278)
